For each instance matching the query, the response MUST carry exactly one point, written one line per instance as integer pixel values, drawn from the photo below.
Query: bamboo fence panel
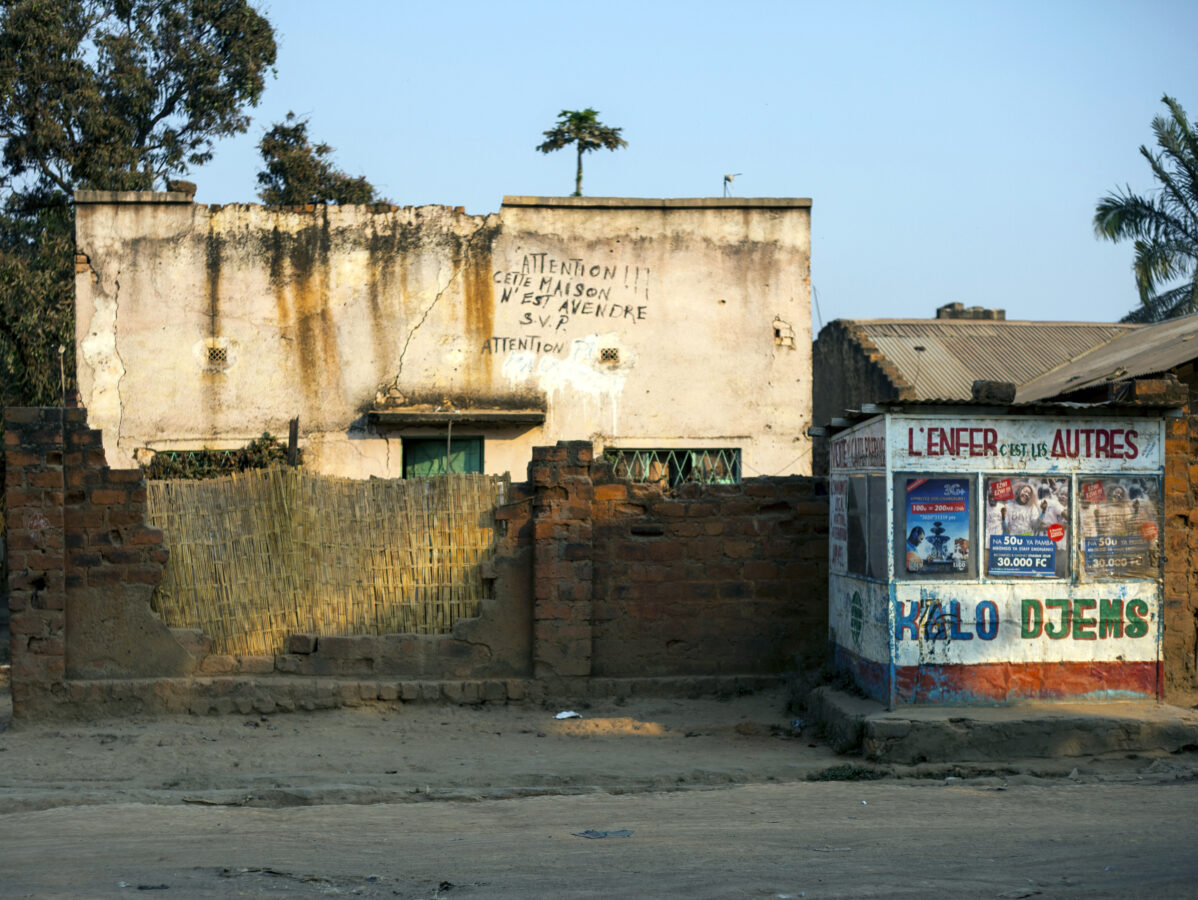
(261, 554)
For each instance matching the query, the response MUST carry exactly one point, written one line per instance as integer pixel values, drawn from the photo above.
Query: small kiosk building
(997, 555)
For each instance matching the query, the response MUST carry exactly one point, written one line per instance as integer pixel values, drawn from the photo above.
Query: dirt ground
(721, 798)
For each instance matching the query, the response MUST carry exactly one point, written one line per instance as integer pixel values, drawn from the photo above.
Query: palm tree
(1165, 225)
(583, 128)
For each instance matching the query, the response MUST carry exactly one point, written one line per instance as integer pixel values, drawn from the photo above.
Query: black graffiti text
(524, 343)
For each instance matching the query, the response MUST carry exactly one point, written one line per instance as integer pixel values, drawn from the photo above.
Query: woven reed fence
(262, 554)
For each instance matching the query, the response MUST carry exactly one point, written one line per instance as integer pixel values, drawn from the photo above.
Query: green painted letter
(1032, 619)
(1137, 618)
(1083, 628)
(1066, 619)
(1110, 618)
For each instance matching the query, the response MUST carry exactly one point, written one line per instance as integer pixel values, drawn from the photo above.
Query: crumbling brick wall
(593, 579)
(719, 579)
(82, 562)
(632, 582)
(627, 581)
(1180, 649)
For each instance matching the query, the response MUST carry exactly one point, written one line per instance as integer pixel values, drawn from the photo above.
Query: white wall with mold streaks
(636, 323)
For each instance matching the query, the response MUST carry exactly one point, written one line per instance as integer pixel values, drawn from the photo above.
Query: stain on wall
(626, 324)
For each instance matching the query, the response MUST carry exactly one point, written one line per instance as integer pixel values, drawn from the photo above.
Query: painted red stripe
(1025, 681)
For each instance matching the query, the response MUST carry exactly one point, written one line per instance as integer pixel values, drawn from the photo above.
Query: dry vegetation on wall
(259, 555)
(262, 453)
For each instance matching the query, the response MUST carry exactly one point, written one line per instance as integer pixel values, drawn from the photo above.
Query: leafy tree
(583, 129)
(118, 94)
(108, 95)
(37, 301)
(299, 172)
(1163, 225)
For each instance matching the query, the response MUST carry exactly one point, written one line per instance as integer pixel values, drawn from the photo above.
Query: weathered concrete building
(401, 338)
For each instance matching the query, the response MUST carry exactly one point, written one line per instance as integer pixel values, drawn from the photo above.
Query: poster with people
(1121, 526)
(937, 526)
(1027, 527)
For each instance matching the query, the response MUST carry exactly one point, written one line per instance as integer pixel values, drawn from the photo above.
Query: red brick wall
(82, 562)
(34, 489)
(563, 570)
(594, 578)
(1180, 650)
(718, 580)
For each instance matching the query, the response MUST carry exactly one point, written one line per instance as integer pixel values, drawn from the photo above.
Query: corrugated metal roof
(958, 352)
(1146, 350)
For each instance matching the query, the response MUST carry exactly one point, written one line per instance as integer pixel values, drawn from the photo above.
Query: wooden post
(293, 441)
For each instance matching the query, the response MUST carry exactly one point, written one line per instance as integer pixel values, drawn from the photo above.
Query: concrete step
(915, 734)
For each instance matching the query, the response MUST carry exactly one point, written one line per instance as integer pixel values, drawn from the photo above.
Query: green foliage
(37, 302)
(106, 95)
(1164, 226)
(118, 94)
(299, 172)
(199, 464)
(583, 129)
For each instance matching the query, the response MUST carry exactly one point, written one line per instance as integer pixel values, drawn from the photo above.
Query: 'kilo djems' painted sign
(1098, 623)
(1018, 623)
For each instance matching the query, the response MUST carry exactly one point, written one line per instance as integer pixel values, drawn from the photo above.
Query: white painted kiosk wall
(983, 557)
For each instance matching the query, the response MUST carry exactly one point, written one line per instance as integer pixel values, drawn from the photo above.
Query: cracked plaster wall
(635, 323)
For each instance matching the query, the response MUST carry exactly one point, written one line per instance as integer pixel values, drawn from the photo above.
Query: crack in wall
(391, 390)
(120, 400)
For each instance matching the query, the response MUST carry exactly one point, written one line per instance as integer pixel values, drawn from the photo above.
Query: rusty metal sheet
(952, 353)
(1143, 351)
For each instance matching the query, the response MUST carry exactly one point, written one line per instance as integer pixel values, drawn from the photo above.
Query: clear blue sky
(954, 151)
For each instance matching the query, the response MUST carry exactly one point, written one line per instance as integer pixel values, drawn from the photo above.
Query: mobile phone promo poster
(1026, 526)
(1121, 526)
(937, 525)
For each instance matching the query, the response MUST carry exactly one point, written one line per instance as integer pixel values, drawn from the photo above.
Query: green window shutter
(425, 457)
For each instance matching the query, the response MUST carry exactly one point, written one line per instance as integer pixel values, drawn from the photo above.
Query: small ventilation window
(609, 355)
(218, 355)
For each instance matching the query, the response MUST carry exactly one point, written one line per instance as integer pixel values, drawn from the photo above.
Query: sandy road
(758, 841)
(422, 802)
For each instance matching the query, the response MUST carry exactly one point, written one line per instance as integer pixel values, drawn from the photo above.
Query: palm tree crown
(583, 129)
(1164, 225)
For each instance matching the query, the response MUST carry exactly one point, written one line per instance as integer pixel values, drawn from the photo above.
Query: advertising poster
(937, 526)
(838, 526)
(1120, 522)
(1027, 527)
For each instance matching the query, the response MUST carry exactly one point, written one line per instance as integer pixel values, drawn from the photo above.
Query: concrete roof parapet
(89, 196)
(661, 203)
(133, 197)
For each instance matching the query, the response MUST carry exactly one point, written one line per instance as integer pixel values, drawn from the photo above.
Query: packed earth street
(641, 798)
